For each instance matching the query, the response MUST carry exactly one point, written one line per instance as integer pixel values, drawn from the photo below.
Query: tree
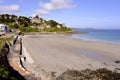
(52, 23)
(16, 26)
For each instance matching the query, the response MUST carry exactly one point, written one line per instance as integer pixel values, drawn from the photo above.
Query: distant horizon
(95, 28)
(103, 14)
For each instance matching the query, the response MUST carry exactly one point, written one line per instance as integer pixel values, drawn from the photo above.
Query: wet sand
(59, 53)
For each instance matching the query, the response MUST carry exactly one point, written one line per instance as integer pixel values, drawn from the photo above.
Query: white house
(58, 26)
(35, 19)
(3, 29)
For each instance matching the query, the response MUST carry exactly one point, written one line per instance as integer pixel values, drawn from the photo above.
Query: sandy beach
(59, 53)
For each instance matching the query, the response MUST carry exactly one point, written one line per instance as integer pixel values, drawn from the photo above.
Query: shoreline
(66, 32)
(97, 41)
(71, 33)
(56, 47)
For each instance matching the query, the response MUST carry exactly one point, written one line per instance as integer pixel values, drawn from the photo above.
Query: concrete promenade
(15, 61)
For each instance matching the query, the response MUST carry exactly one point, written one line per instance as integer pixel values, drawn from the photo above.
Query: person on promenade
(19, 36)
(17, 43)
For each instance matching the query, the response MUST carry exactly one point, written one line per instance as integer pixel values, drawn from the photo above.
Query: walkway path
(14, 61)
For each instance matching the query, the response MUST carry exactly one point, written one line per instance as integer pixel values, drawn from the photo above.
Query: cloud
(9, 8)
(54, 5)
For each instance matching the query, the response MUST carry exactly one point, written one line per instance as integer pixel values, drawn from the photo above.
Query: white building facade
(4, 29)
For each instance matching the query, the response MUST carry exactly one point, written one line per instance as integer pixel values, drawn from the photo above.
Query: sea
(99, 35)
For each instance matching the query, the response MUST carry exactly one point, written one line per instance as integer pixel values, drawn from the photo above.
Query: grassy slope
(4, 73)
(2, 42)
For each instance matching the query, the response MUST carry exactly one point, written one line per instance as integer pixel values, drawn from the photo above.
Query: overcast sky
(74, 13)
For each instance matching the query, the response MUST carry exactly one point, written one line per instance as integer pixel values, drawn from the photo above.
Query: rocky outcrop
(99, 74)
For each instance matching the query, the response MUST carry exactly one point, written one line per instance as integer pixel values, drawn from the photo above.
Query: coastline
(64, 32)
(97, 40)
(58, 53)
(104, 36)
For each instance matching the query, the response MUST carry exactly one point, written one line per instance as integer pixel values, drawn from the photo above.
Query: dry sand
(58, 53)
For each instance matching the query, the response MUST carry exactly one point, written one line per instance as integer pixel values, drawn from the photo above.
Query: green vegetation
(2, 42)
(54, 29)
(35, 24)
(4, 74)
(28, 29)
(10, 39)
(14, 21)
(52, 23)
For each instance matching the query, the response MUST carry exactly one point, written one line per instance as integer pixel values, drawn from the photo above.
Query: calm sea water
(109, 36)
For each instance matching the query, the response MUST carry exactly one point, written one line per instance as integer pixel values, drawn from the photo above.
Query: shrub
(4, 74)
(28, 29)
(54, 29)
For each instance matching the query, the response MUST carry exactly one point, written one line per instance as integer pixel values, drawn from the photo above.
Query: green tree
(16, 26)
(52, 23)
